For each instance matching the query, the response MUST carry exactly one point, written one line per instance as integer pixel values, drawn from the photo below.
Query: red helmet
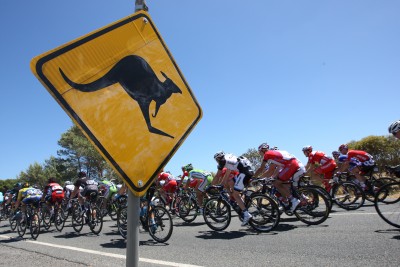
(263, 146)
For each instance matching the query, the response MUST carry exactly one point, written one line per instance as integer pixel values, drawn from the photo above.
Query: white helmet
(219, 155)
(394, 127)
(67, 183)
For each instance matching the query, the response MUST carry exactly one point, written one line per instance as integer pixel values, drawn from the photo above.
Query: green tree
(254, 157)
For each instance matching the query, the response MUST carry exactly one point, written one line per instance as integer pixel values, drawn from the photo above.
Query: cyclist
(200, 180)
(245, 172)
(185, 169)
(26, 196)
(89, 187)
(68, 189)
(394, 128)
(108, 189)
(320, 166)
(357, 162)
(168, 185)
(53, 192)
(283, 167)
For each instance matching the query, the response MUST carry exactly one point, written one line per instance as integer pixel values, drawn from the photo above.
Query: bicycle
(373, 182)
(91, 215)
(160, 230)
(345, 194)
(52, 214)
(217, 210)
(110, 206)
(29, 218)
(387, 203)
(313, 208)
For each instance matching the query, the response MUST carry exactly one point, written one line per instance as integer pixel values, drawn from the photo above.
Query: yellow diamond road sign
(122, 87)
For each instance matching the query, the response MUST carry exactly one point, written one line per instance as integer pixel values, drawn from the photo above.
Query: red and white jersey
(360, 155)
(278, 157)
(165, 176)
(318, 157)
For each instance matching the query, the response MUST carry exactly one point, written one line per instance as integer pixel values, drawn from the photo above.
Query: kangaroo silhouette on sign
(138, 79)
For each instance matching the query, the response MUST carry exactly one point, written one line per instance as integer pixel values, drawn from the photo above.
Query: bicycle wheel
(13, 222)
(103, 205)
(323, 192)
(265, 212)
(348, 195)
(375, 186)
(122, 216)
(77, 218)
(389, 208)
(112, 210)
(217, 214)
(22, 224)
(96, 220)
(187, 209)
(59, 220)
(34, 227)
(313, 208)
(161, 231)
(46, 217)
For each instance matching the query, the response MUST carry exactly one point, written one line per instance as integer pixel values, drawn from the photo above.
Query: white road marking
(167, 263)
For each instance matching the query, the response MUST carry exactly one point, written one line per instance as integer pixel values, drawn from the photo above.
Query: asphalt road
(347, 238)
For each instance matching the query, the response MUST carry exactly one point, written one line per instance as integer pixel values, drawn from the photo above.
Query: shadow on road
(390, 232)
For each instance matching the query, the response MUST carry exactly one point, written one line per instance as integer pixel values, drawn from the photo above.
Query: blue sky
(291, 73)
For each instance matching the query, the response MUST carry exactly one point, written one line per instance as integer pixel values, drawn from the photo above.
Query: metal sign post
(132, 237)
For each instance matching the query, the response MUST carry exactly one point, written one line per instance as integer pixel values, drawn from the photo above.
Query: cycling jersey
(170, 183)
(108, 187)
(326, 165)
(89, 186)
(238, 164)
(29, 195)
(283, 159)
(54, 192)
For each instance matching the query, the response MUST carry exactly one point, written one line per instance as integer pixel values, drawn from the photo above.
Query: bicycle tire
(34, 227)
(375, 186)
(96, 221)
(187, 209)
(46, 217)
(164, 225)
(313, 208)
(22, 224)
(77, 219)
(59, 220)
(388, 209)
(112, 210)
(324, 192)
(217, 213)
(12, 222)
(122, 216)
(265, 212)
(348, 195)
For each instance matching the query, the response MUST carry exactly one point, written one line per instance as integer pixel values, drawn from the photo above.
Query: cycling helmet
(219, 155)
(263, 146)
(275, 148)
(81, 174)
(343, 146)
(25, 185)
(307, 148)
(335, 153)
(188, 167)
(394, 127)
(67, 183)
(18, 185)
